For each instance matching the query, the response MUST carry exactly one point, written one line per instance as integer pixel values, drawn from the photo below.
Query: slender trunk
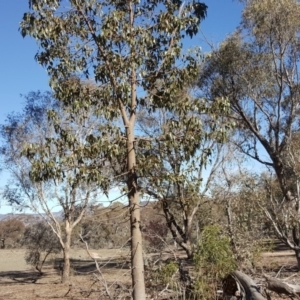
(297, 254)
(282, 177)
(188, 248)
(230, 227)
(137, 262)
(186, 242)
(40, 264)
(66, 250)
(180, 235)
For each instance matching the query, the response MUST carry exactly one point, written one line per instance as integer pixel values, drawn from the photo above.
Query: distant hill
(2, 216)
(26, 218)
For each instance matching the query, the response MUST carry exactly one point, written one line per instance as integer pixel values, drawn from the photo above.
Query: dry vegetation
(197, 124)
(19, 281)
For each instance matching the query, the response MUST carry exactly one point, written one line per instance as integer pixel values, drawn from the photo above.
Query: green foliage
(257, 70)
(131, 53)
(101, 37)
(49, 145)
(213, 261)
(108, 43)
(121, 58)
(165, 275)
(214, 252)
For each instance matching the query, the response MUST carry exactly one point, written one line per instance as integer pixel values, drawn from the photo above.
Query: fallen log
(250, 288)
(280, 287)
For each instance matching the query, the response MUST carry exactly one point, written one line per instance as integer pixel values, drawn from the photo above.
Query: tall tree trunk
(66, 250)
(137, 262)
(230, 227)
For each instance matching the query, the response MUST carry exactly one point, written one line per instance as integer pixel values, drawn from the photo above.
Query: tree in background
(132, 51)
(103, 227)
(40, 242)
(239, 195)
(155, 233)
(256, 69)
(185, 157)
(11, 229)
(53, 165)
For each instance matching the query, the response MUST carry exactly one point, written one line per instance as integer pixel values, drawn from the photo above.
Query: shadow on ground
(87, 266)
(82, 267)
(22, 276)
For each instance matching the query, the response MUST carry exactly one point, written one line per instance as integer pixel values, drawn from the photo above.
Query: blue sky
(20, 73)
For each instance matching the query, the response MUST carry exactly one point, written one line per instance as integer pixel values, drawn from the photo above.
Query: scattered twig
(69, 291)
(279, 271)
(98, 268)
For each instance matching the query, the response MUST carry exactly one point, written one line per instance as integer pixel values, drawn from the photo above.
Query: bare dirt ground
(281, 264)
(20, 281)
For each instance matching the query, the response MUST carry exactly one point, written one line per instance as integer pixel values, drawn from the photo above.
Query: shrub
(213, 261)
(40, 242)
(167, 272)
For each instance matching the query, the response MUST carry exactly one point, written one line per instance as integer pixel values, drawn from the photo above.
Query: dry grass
(20, 281)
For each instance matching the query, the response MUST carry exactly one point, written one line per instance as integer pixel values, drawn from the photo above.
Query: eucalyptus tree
(185, 158)
(49, 155)
(256, 69)
(132, 51)
(239, 195)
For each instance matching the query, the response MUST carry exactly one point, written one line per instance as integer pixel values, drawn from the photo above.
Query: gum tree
(257, 70)
(49, 155)
(183, 169)
(132, 51)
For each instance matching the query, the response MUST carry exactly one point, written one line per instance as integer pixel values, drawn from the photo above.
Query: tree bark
(276, 285)
(297, 254)
(137, 262)
(180, 235)
(66, 250)
(187, 247)
(230, 226)
(250, 287)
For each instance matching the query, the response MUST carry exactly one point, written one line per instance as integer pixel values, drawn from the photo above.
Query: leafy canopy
(106, 41)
